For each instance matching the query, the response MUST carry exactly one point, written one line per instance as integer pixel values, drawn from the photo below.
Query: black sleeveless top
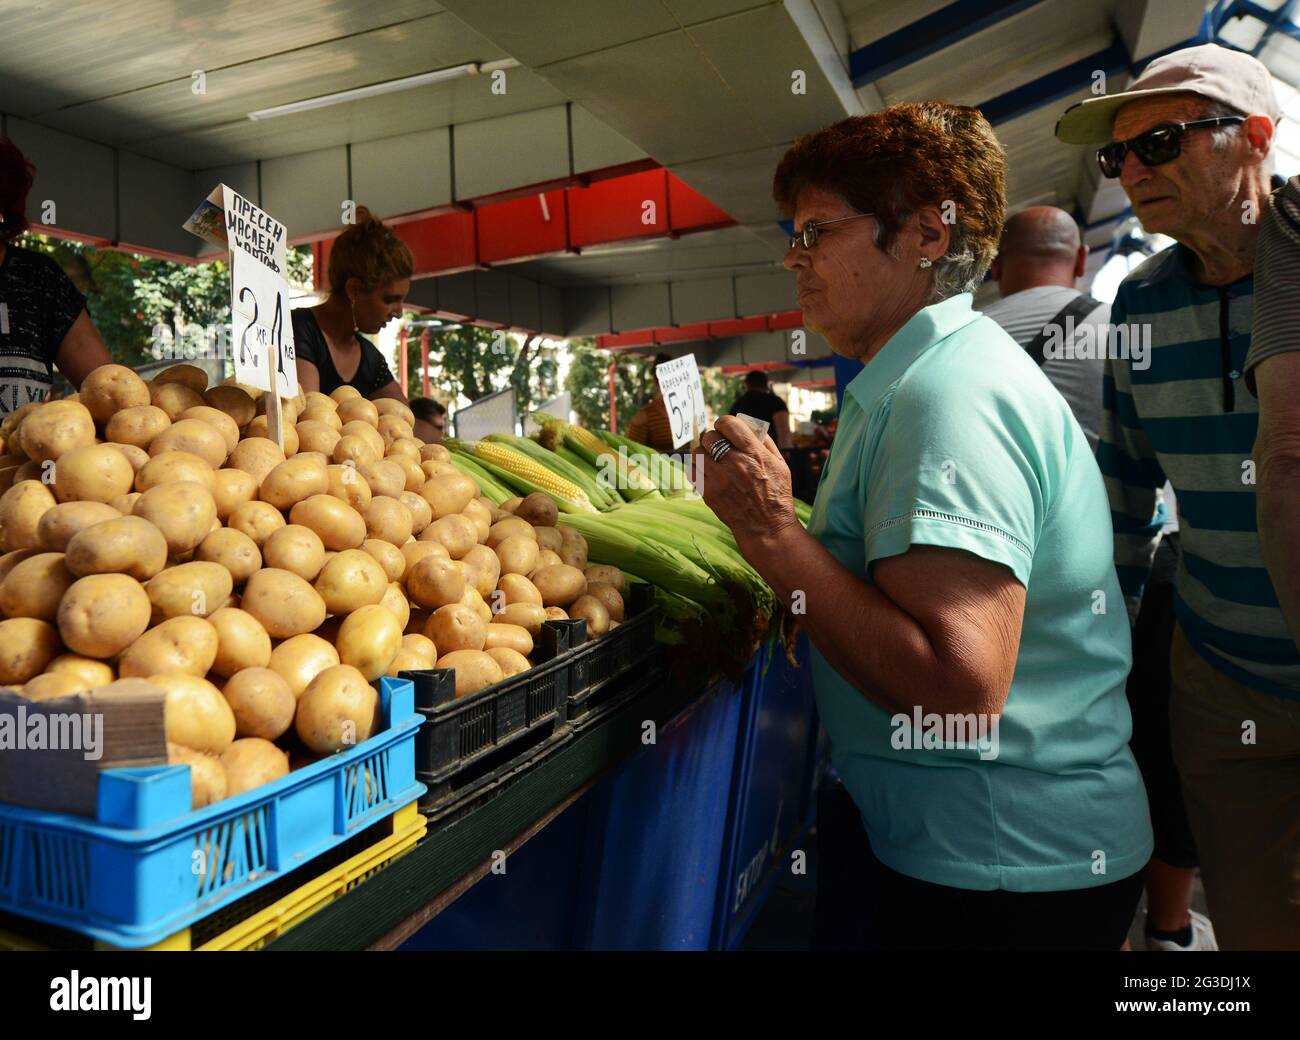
(309, 344)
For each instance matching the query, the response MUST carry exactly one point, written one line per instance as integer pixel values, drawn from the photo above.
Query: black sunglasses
(1159, 145)
(808, 234)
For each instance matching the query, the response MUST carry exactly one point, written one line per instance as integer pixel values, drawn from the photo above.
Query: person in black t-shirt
(369, 277)
(43, 319)
(759, 401)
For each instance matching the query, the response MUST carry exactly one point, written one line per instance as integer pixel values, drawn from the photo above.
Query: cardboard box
(51, 751)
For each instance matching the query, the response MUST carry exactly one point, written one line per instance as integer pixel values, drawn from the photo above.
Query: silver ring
(719, 448)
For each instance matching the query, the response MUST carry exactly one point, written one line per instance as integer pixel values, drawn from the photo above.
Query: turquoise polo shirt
(952, 436)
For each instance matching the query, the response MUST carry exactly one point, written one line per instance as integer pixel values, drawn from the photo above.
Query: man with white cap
(1190, 142)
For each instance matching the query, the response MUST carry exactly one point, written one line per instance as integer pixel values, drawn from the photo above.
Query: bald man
(1040, 259)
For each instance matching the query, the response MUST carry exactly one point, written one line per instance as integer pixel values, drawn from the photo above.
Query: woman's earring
(353, 304)
(925, 262)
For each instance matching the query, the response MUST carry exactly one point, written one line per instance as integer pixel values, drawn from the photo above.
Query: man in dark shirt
(759, 401)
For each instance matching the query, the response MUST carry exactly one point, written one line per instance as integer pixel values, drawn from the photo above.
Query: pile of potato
(153, 529)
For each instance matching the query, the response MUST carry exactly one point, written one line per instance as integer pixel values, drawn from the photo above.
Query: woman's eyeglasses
(1157, 146)
(807, 235)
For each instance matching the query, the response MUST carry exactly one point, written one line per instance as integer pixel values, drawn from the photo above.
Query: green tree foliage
(720, 391)
(465, 360)
(128, 295)
(588, 382)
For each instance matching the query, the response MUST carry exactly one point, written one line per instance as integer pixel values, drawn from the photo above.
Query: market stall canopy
(505, 138)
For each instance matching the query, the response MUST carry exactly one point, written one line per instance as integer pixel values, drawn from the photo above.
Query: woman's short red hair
(902, 158)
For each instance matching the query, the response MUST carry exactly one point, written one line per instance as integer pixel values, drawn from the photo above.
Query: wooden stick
(274, 413)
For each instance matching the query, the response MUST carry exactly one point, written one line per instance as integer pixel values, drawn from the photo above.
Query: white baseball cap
(1213, 72)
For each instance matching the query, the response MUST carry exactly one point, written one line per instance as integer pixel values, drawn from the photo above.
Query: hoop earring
(925, 262)
(353, 304)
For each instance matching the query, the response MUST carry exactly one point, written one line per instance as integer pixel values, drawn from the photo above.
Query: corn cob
(525, 475)
(581, 477)
(493, 490)
(632, 480)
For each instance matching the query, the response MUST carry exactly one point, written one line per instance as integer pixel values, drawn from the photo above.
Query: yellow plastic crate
(408, 826)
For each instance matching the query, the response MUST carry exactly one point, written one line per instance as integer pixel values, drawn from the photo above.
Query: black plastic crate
(467, 744)
(599, 677)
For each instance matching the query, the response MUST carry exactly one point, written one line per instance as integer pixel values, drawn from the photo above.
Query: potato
(556, 614)
(434, 582)
(421, 646)
(187, 375)
(421, 513)
(197, 716)
(559, 584)
(510, 505)
(593, 611)
(358, 408)
(207, 777)
(456, 627)
(256, 456)
(178, 646)
(414, 552)
(475, 670)
(388, 520)
(350, 580)
(231, 488)
(173, 466)
(110, 389)
(603, 572)
(137, 425)
(251, 762)
(479, 605)
(21, 509)
(49, 685)
(528, 616)
(218, 420)
(285, 604)
(125, 504)
(258, 520)
(396, 603)
(455, 532)
(539, 509)
(102, 614)
(406, 447)
(355, 449)
(173, 398)
(503, 633)
(59, 524)
(344, 393)
(363, 429)
(392, 406)
(127, 545)
(233, 550)
(296, 549)
(260, 428)
(339, 709)
(478, 512)
(325, 416)
(194, 436)
(56, 428)
(138, 457)
(32, 470)
(231, 401)
(608, 595)
(391, 427)
(433, 468)
(388, 556)
(89, 672)
(518, 554)
(449, 494)
(293, 481)
(262, 703)
(406, 661)
(299, 660)
(511, 662)
(437, 452)
(414, 474)
(338, 525)
(314, 435)
(242, 642)
(96, 473)
(516, 588)
(194, 589)
(11, 560)
(27, 645)
(369, 639)
(35, 587)
(184, 512)
(486, 567)
(347, 484)
(511, 526)
(574, 555)
(546, 558)
(384, 477)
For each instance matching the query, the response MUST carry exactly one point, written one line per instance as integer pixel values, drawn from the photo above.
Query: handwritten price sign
(679, 382)
(259, 294)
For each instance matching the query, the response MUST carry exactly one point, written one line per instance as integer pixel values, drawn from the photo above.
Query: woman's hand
(749, 488)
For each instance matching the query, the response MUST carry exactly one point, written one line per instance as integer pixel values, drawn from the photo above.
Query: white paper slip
(679, 381)
(759, 426)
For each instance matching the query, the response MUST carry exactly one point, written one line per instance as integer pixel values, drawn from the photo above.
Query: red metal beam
(700, 331)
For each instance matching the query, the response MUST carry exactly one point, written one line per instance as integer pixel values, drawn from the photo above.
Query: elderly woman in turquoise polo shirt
(956, 580)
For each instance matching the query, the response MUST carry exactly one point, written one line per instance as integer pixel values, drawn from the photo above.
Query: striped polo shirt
(1179, 410)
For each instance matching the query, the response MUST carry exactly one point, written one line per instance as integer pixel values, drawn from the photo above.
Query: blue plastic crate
(147, 866)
